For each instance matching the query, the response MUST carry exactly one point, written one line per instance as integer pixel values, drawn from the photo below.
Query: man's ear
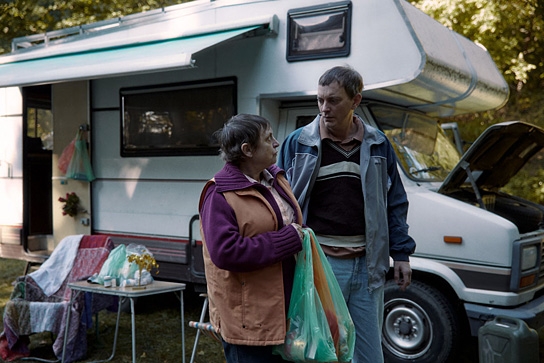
(246, 150)
(357, 100)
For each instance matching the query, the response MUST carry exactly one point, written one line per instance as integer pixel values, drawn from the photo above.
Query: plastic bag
(80, 165)
(117, 266)
(146, 278)
(334, 305)
(308, 336)
(66, 156)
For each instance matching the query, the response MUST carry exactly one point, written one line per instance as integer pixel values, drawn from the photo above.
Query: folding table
(157, 287)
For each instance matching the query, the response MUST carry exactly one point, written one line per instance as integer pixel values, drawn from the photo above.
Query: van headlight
(529, 257)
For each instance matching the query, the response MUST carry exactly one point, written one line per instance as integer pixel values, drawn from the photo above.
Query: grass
(158, 329)
(9, 270)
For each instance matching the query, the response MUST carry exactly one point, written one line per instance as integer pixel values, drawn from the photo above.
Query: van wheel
(419, 325)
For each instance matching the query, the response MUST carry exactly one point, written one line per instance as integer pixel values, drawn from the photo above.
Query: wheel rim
(407, 331)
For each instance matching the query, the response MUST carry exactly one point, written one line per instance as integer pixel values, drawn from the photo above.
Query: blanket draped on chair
(31, 310)
(52, 273)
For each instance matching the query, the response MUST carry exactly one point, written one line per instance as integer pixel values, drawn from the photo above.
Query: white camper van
(147, 91)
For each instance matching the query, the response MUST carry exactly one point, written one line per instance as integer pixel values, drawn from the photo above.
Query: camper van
(144, 94)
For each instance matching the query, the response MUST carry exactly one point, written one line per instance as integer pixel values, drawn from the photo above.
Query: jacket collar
(230, 178)
(310, 133)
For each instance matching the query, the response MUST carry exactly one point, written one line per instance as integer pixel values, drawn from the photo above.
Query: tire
(420, 325)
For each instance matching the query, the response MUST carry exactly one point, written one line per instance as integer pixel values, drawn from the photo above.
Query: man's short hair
(347, 77)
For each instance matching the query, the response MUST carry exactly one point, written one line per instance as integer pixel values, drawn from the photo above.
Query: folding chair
(39, 300)
(204, 327)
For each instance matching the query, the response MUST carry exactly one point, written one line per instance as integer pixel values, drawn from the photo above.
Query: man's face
(336, 108)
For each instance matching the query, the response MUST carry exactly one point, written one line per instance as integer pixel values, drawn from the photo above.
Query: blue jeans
(365, 308)
(250, 354)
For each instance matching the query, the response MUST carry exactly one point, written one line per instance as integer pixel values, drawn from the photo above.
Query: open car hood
(496, 156)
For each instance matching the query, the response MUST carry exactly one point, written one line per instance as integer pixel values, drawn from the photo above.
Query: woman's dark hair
(239, 129)
(347, 77)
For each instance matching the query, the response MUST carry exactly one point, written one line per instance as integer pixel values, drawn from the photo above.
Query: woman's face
(265, 153)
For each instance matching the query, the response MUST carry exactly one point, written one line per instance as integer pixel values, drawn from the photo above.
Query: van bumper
(532, 313)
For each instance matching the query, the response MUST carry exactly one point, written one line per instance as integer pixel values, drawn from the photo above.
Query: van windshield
(424, 151)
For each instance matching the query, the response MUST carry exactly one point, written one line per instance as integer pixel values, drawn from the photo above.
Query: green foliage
(529, 185)
(24, 17)
(529, 182)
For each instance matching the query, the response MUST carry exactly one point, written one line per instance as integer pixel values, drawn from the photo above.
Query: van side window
(175, 119)
(39, 118)
(316, 32)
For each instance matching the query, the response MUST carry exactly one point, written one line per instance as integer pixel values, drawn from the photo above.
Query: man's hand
(403, 268)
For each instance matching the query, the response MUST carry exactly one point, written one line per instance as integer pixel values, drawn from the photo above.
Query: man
(344, 175)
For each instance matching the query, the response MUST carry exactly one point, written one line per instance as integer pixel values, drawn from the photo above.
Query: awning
(137, 58)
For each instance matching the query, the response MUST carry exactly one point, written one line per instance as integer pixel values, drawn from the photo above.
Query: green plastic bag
(308, 337)
(334, 305)
(117, 267)
(80, 165)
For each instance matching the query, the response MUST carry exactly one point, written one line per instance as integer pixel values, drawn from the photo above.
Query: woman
(250, 223)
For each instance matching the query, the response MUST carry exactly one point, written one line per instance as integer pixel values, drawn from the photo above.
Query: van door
(293, 116)
(37, 164)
